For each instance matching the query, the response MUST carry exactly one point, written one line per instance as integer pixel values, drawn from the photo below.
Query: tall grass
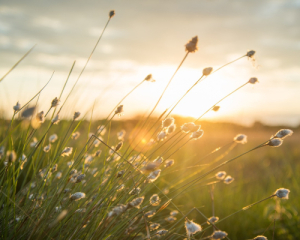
(142, 183)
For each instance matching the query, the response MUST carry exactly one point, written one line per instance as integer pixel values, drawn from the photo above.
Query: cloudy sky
(148, 37)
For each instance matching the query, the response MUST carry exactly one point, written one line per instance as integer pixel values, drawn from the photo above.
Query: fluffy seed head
(77, 196)
(136, 202)
(282, 193)
(192, 227)
(76, 115)
(121, 135)
(192, 45)
(53, 138)
(253, 80)
(17, 107)
(47, 148)
(219, 235)
(212, 219)
(135, 191)
(67, 151)
(154, 226)
(111, 13)
(155, 200)
(161, 232)
(154, 175)
(187, 127)
(118, 210)
(40, 117)
(260, 237)
(171, 128)
(168, 122)
(207, 71)
(220, 175)
(56, 119)
(11, 156)
(161, 136)
(240, 138)
(216, 108)
(283, 133)
(196, 135)
(119, 110)
(228, 179)
(119, 146)
(174, 213)
(169, 163)
(150, 214)
(250, 53)
(79, 178)
(75, 135)
(149, 78)
(55, 102)
(275, 142)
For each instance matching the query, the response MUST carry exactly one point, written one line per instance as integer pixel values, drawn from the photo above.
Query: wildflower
(216, 108)
(75, 135)
(253, 80)
(55, 102)
(212, 220)
(2, 150)
(154, 226)
(119, 146)
(260, 237)
(282, 193)
(275, 142)
(136, 202)
(228, 179)
(169, 163)
(196, 135)
(192, 227)
(121, 135)
(149, 78)
(79, 178)
(161, 136)
(191, 46)
(17, 107)
(67, 151)
(207, 71)
(28, 112)
(174, 213)
(119, 111)
(171, 128)
(150, 214)
(56, 119)
(118, 210)
(11, 156)
(189, 127)
(97, 153)
(76, 115)
(47, 148)
(34, 142)
(111, 13)
(70, 163)
(167, 122)
(161, 232)
(219, 235)
(120, 173)
(250, 54)
(53, 138)
(240, 138)
(58, 175)
(220, 175)
(54, 168)
(77, 196)
(101, 130)
(135, 191)
(40, 117)
(154, 175)
(155, 200)
(170, 219)
(283, 133)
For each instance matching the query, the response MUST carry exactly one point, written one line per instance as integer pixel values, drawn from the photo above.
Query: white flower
(77, 196)
(192, 227)
(240, 138)
(282, 193)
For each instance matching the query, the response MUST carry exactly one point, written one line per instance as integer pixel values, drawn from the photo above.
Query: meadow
(166, 177)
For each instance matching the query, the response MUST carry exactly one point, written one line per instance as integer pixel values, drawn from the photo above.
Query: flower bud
(282, 193)
(191, 46)
(253, 80)
(111, 13)
(207, 71)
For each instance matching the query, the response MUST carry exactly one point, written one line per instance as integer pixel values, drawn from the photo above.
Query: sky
(148, 37)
